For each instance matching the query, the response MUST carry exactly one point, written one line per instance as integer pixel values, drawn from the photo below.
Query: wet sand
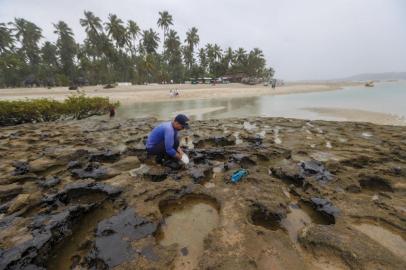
(156, 93)
(355, 115)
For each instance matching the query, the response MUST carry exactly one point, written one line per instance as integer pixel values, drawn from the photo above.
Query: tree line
(116, 51)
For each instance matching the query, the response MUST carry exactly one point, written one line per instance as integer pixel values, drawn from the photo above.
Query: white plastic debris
(185, 159)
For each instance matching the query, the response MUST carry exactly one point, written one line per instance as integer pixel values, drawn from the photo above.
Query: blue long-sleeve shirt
(164, 132)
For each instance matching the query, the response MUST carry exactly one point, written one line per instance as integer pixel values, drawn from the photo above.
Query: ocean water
(385, 97)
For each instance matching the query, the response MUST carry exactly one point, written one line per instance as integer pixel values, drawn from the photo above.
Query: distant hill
(376, 76)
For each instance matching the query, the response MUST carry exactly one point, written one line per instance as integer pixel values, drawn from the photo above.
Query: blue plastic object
(238, 175)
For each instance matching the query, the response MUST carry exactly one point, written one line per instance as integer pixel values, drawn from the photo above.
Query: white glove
(185, 159)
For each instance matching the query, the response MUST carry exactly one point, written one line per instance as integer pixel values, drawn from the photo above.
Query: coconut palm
(133, 31)
(29, 35)
(116, 30)
(6, 38)
(164, 21)
(255, 63)
(67, 48)
(117, 51)
(203, 59)
(150, 41)
(92, 24)
(228, 57)
(192, 39)
(240, 56)
(209, 51)
(217, 52)
(174, 56)
(49, 58)
(172, 42)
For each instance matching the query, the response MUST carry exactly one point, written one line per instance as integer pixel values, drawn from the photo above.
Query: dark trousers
(160, 152)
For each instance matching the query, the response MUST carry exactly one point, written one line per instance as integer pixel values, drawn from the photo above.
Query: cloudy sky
(312, 39)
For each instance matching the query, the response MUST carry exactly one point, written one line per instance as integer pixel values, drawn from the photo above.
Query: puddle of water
(77, 242)
(187, 223)
(300, 215)
(366, 134)
(392, 241)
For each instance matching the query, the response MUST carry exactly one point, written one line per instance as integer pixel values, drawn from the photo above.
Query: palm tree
(6, 38)
(209, 51)
(256, 63)
(192, 39)
(63, 30)
(173, 55)
(172, 42)
(116, 30)
(203, 59)
(240, 56)
(228, 57)
(133, 31)
(28, 34)
(67, 47)
(91, 23)
(217, 52)
(150, 41)
(49, 59)
(257, 53)
(164, 21)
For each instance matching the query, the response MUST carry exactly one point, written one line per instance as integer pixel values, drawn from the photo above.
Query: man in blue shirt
(163, 141)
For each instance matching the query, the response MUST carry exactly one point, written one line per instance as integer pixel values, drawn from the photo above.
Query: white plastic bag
(185, 159)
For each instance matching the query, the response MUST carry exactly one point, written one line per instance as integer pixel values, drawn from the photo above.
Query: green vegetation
(43, 110)
(115, 51)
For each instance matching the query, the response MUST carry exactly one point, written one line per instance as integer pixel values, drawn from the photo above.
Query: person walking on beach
(163, 141)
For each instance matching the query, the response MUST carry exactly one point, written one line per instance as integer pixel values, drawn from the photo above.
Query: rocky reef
(318, 195)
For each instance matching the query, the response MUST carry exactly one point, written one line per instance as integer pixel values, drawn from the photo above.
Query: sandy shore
(355, 115)
(159, 93)
(154, 93)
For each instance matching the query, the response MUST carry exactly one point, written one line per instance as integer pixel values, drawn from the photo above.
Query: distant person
(273, 84)
(163, 141)
(112, 112)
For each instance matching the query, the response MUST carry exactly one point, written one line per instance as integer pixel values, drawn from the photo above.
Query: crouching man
(163, 141)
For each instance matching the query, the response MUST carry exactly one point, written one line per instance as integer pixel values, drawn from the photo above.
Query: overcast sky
(312, 39)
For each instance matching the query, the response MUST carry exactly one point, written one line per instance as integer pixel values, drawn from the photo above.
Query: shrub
(44, 110)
